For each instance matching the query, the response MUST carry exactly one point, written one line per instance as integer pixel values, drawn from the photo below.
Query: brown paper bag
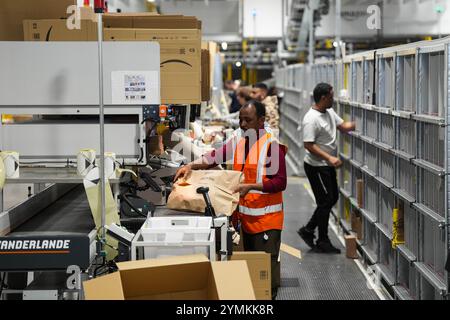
(221, 185)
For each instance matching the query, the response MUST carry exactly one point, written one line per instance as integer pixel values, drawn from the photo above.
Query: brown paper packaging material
(350, 244)
(357, 224)
(221, 185)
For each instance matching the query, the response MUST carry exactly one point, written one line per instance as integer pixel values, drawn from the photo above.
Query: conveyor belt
(60, 235)
(71, 213)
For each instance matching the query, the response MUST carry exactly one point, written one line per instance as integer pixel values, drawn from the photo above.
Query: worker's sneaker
(307, 236)
(326, 247)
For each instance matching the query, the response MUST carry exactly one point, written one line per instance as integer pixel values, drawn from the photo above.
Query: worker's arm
(315, 150)
(347, 127)
(243, 189)
(199, 164)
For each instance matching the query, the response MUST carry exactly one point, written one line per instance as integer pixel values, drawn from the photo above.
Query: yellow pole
(244, 73)
(229, 72)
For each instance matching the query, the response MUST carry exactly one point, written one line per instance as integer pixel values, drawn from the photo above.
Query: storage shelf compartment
(430, 286)
(406, 137)
(406, 83)
(371, 157)
(387, 205)
(358, 117)
(433, 248)
(387, 134)
(346, 145)
(387, 167)
(386, 85)
(411, 232)
(356, 175)
(370, 236)
(358, 150)
(346, 177)
(371, 128)
(344, 213)
(387, 258)
(432, 193)
(432, 144)
(431, 84)
(406, 180)
(406, 276)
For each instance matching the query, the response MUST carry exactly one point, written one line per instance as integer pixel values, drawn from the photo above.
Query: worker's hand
(335, 162)
(243, 189)
(182, 172)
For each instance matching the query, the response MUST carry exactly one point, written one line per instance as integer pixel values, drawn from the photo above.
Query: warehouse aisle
(315, 276)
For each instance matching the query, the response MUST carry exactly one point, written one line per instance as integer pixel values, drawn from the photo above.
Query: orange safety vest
(258, 211)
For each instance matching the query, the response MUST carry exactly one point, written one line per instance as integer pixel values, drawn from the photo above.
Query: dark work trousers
(325, 188)
(256, 242)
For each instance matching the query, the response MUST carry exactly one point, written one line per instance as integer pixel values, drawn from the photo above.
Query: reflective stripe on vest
(260, 211)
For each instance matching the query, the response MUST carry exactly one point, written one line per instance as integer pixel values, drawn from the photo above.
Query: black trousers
(325, 188)
(256, 242)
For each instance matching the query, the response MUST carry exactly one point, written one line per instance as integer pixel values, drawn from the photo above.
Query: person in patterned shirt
(260, 93)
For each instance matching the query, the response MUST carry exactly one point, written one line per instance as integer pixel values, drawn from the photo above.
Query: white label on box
(135, 87)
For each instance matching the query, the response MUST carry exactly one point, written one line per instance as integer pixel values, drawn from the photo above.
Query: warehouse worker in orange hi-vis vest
(256, 153)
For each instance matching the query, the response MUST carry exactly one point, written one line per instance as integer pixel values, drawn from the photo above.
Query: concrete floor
(315, 276)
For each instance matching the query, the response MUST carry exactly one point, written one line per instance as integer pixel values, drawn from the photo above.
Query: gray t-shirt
(320, 128)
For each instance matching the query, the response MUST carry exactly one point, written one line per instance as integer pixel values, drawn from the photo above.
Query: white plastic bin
(163, 252)
(176, 229)
(176, 236)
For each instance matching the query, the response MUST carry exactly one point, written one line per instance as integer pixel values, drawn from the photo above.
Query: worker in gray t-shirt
(320, 126)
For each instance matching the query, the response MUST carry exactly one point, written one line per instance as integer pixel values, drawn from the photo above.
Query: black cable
(127, 201)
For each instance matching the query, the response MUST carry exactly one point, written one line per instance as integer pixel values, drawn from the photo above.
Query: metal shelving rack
(399, 98)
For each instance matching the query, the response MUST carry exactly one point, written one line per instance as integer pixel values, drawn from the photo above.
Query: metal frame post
(102, 128)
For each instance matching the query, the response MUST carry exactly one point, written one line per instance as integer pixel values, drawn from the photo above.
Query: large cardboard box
(57, 30)
(180, 61)
(260, 272)
(175, 278)
(13, 12)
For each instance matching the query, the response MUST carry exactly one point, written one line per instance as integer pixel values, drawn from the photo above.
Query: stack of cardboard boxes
(184, 75)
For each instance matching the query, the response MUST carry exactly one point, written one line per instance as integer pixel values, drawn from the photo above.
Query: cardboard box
(206, 81)
(168, 34)
(176, 278)
(150, 20)
(356, 224)
(180, 62)
(56, 30)
(13, 12)
(260, 272)
(351, 247)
